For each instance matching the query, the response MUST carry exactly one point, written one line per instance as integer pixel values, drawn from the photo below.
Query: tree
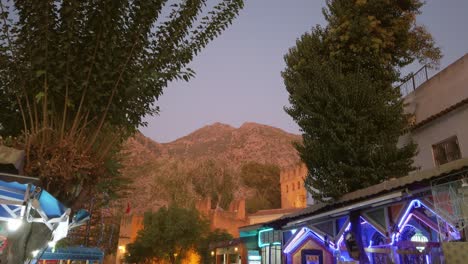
(84, 73)
(265, 180)
(214, 180)
(339, 80)
(172, 183)
(378, 36)
(77, 77)
(168, 235)
(214, 236)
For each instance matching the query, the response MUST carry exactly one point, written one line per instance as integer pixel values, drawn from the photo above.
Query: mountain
(145, 158)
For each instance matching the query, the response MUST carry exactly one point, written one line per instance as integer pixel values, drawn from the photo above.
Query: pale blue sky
(238, 75)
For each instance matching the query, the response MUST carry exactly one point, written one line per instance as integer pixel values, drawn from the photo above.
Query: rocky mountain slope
(145, 158)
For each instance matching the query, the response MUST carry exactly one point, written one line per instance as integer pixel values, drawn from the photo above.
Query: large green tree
(214, 180)
(81, 75)
(340, 80)
(77, 77)
(203, 247)
(168, 235)
(264, 179)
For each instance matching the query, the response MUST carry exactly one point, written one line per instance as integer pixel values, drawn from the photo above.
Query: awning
(15, 198)
(27, 202)
(74, 253)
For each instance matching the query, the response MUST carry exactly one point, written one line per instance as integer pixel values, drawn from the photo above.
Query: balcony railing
(414, 81)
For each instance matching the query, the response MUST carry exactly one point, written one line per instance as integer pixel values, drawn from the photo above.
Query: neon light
(293, 243)
(407, 216)
(261, 243)
(299, 238)
(255, 258)
(293, 231)
(342, 236)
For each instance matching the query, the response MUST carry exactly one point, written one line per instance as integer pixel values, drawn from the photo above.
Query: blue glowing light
(254, 258)
(407, 216)
(260, 242)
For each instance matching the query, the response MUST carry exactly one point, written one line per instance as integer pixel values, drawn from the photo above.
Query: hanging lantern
(419, 237)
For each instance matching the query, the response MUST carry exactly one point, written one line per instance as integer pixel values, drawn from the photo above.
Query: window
(286, 188)
(275, 252)
(293, 186)
(298, 185)
(271, 254)
(446, 151)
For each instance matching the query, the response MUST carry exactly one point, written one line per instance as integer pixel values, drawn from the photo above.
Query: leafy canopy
(77, 77)
(214, 180)
(168, 233)
(264, 179)
(339, 80)
(214, 236)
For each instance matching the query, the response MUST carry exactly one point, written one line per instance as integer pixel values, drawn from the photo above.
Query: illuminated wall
(293, 192)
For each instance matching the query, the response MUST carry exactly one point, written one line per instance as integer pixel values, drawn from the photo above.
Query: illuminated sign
(254, 257)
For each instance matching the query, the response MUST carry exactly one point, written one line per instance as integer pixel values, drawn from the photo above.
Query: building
(229, 220)
(267, 215)
(440, 112)
(129, 227)
(419, 218)
(293, 192)
(414, 219)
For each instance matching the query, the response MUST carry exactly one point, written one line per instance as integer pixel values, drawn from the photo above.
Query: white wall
(452, 124)
(439, 93)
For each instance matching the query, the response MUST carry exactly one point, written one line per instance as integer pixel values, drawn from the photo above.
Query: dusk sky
(238, 75)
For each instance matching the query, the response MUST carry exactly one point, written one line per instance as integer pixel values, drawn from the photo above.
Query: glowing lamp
(34, 253)
(14, 224)
(419, 237)
(122, 249)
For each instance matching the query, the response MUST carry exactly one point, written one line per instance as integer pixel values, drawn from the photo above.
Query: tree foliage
(203, 248)
(167, 234)
(378, 34)
(264, 179)
(83, 74)
(77, 78)
(214, 180)
(172, 184)
(340, 79)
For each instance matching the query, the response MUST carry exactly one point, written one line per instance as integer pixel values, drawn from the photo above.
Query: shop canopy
(21, 199)
(74, 253)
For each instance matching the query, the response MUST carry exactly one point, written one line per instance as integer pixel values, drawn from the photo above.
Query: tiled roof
(441, 113)
(276, 211)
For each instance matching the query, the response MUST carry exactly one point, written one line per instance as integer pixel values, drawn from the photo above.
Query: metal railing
(414, 81)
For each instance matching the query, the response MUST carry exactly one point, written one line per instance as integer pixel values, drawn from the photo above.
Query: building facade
(440, 112)
(419, 218)
(293, 192)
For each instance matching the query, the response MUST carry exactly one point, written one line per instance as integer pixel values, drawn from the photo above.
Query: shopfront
(417, 219)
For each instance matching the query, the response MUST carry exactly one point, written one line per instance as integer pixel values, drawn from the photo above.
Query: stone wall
(293, 192)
